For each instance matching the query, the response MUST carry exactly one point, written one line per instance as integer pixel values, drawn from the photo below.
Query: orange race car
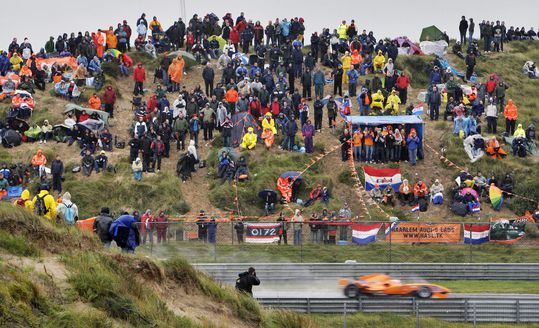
(381, 284)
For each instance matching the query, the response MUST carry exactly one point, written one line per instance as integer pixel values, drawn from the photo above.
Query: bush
(110, 69)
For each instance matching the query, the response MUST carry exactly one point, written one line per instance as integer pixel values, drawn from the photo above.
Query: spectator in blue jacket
(319, 80)
(414, 143)
(125, 232)
(435, 76)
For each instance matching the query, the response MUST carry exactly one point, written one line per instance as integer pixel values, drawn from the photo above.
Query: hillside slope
(165, 191)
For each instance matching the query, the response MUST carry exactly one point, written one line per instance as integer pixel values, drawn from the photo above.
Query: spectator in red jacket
(235, 37)
(139, 75)
(109, 98)
(491, 85)
(403, 82)
(275, 107)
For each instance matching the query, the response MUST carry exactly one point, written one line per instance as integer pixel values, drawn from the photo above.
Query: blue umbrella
(291, 174)
(243, 57)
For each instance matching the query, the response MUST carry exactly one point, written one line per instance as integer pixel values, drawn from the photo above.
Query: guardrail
(321, 271)
(463, 310)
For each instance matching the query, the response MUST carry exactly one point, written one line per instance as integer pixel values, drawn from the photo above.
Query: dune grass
(120, 191)
(490, 286)
(102, 282)
(183, 273)
(17, 245)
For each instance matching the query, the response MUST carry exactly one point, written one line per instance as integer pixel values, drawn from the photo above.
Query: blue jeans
(368, 153)
(364, 109)
(412, 154)
(357, 153)
(297, 237)
(319, 90)
(137, 175)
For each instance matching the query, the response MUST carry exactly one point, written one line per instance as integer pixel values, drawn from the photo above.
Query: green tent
(431, 33)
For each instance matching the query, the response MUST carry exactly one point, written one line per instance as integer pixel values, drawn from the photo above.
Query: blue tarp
(408, 121)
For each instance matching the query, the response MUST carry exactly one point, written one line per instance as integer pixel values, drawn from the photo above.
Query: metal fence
(329, 242)
(470, 310)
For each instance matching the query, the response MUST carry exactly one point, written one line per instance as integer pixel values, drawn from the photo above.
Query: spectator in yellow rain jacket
(24, 201)
(269, 123)
(346, 65)
(392, 104)
(377, 102)
(15, 62)
(379, 61)
(249, 139)
(341, 30)
(49, 210)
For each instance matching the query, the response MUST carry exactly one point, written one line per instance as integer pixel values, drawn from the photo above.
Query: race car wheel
(351, 291)
(424, 292)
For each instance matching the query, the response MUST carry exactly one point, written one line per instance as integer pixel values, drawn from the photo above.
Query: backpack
(241, 283)
(69, 214)
(459, 209)
(195, 126)
(423, 205)
(39, 207)
(21, 202)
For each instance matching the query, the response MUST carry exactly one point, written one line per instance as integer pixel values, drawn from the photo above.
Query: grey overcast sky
(43, 18)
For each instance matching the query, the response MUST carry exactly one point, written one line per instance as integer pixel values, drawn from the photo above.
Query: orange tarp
(71, 61)
(87, 225)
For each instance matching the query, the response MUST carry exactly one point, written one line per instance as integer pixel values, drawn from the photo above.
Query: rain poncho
(249, 139)
(175, 70)
(269, 123)
(377, 100)
(519, 132)
(393, 102)
(379, 61)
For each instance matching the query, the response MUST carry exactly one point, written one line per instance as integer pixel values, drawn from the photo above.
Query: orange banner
(406, 232)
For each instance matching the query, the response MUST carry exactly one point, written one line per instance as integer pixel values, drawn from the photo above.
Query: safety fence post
(474, 316)
(466, 304)
(418, 319)
(517, 308)
(308, 305)
(344, 315)
(471, 244)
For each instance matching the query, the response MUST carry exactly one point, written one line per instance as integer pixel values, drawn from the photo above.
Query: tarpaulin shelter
(431, 33)
(78, 110)
(438, 48)
(188, 57)
(60, 132)
(240, 123)
(404, 42)
(407, 121)
(94, 126)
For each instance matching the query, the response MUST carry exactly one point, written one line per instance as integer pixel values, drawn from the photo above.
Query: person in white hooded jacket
(178, 107)
(67, 210)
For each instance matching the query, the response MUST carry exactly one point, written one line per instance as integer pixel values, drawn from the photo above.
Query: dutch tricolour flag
(415, 208)
(476, 233)
(418, 110)
(390, 227)
(382, 177)
(476, 208)
(364, 233)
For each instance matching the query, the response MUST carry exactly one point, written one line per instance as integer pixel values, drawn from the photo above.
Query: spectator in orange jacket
(98, 40)
(112, 41)
(232, 97)
(38, 162)
(421, 190)
(94, 102)
(511, 114)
